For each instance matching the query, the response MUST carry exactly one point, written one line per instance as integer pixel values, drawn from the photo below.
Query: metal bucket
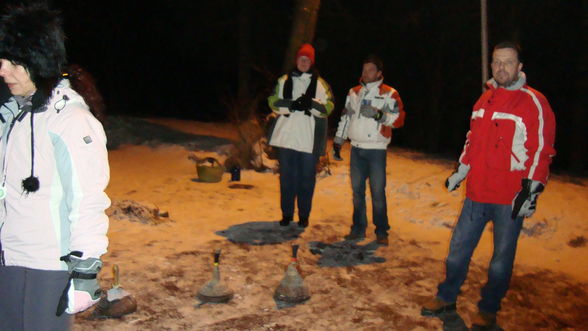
(209, 170)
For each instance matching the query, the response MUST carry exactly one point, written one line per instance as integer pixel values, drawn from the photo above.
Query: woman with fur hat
(302, 100)
(54, 169)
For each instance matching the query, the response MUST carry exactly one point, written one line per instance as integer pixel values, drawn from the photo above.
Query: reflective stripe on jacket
(366, 132)
(511, 137)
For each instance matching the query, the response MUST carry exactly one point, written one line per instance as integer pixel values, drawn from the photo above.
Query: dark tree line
(186, 58)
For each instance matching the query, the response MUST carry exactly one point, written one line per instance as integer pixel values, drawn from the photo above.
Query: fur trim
(32, 36)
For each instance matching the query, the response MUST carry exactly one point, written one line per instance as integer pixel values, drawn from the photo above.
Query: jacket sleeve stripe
(540, 138)
(398, 110)
(329, 103)
(274, 100)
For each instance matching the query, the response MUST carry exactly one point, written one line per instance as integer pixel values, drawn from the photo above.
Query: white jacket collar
(372, 85)
(521, 81)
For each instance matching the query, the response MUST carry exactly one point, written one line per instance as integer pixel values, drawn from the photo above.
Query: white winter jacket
(296, 130)
(70, 160)
(365, 132)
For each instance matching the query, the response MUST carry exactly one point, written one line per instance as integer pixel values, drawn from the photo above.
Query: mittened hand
(283, 103)
(303, 103)
(457, 177)
(372, 112)
(82, 290)
(368, 111)
(337, 152)
(525, 202)
(294, 106)
(80, 301)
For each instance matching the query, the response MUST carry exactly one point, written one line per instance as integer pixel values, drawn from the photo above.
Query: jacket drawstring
(31, 183)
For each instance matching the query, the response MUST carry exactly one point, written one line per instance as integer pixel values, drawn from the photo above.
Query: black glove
(337, 144)
(337, 152)
(303, 103)
(525, 203)
(283, 103)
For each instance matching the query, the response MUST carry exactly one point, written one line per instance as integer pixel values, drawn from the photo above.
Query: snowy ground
(163, 265)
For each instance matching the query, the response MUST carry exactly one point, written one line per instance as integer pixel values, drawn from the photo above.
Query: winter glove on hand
(283, 103)
(303, 103)
(372, 112)
(457, 177)
(368, 111)
(294, 106)
(82, 290)
(525, 203)
(337, 143)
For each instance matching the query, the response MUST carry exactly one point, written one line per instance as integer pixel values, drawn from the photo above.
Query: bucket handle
(210, 160)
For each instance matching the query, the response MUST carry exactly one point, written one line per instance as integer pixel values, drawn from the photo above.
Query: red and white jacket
(511, 137)
(365, 132)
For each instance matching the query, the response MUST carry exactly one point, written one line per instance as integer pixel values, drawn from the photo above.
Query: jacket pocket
(500, 144)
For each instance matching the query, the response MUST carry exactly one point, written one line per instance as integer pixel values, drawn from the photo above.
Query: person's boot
(354, 236)
(382, 241)
(483, 321)
(303, 222)
(285, 221)
(435, 307)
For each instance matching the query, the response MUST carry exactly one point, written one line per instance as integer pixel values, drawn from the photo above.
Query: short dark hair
(375, 60)
(512, 45)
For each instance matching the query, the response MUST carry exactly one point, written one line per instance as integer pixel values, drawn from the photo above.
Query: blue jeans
(297, 180)
(464, 240)
(369, 163)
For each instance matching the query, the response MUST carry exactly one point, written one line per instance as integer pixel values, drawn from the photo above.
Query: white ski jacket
(296, 130)
(66, 213)
(365, 132)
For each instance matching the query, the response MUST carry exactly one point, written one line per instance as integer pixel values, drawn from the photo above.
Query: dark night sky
(180, 58)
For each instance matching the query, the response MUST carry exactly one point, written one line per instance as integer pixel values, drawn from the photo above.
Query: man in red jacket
(506, 161)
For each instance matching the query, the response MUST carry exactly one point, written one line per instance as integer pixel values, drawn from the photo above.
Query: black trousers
(297, 181)
(29, 297)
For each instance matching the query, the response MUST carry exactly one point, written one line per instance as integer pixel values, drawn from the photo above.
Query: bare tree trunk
(303, 28)
(484, 41)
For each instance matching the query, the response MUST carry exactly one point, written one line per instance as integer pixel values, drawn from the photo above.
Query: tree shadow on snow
(345, 253)
(261, 233)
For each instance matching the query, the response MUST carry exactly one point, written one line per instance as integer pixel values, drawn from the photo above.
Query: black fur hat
(32, 36)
